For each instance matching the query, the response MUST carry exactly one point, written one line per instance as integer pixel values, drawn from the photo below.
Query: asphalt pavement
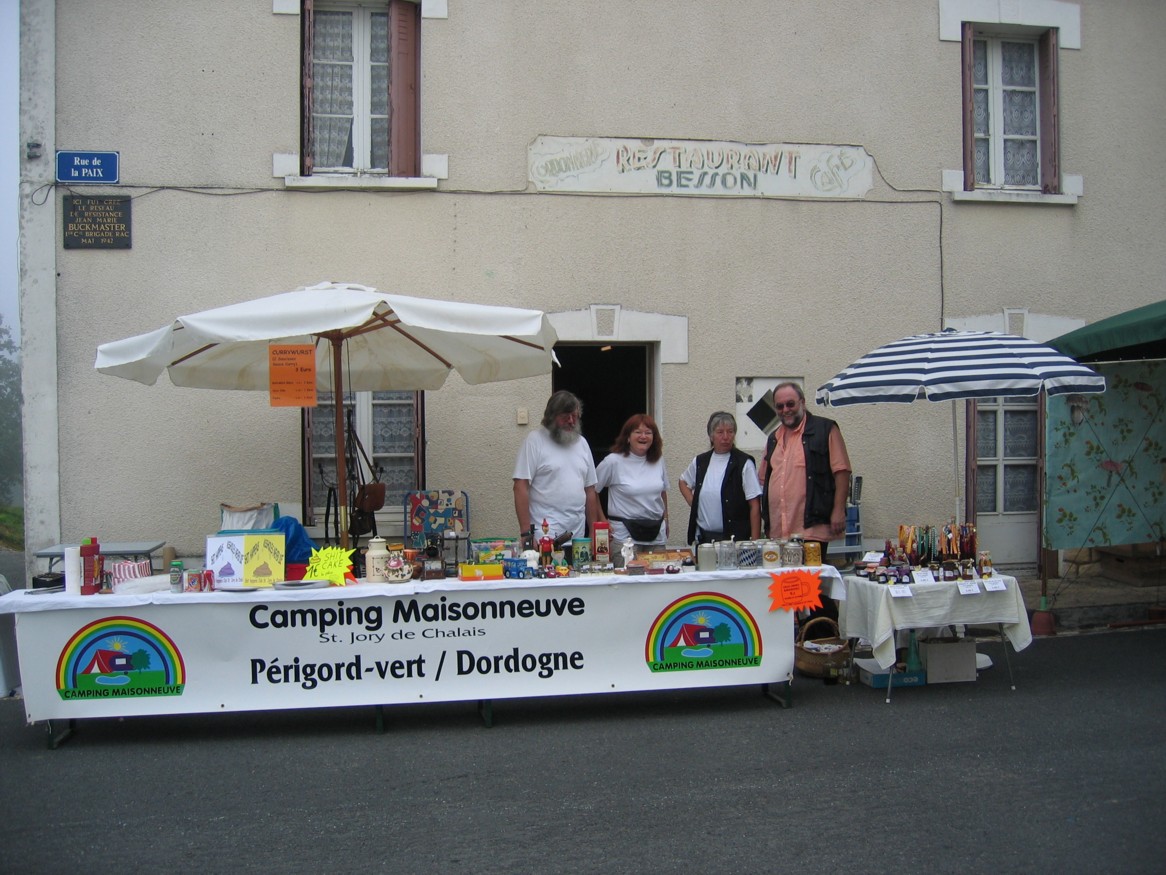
(1065, 774)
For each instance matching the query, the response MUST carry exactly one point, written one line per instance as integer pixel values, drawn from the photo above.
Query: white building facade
(737, 194)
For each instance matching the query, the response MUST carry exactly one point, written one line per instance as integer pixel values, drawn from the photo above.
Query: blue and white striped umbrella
(951, 365)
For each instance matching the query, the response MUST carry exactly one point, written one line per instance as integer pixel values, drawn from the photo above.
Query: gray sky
(9, 160)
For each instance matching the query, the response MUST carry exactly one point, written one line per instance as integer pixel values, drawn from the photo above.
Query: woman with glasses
(636, 481)
(722, 488)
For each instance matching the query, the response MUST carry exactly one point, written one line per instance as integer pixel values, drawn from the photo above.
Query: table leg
(381, 719)
(55, 741)
(1007, 658)
(486, 711)
(785, 701)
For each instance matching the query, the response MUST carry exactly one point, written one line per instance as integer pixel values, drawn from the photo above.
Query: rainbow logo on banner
(119, 657)
(703, 630)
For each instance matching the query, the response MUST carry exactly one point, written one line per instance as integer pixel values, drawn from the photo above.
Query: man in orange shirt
(805, 475)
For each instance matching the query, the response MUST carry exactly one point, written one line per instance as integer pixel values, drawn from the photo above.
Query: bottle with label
(90, 566)
(176, 568)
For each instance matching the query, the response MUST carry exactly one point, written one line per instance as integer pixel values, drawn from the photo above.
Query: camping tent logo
(703, 630)
(119, 657)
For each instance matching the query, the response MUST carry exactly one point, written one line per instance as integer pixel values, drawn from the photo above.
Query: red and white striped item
(128, 570)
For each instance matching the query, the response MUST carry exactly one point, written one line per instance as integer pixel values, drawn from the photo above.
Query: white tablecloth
(870, 611)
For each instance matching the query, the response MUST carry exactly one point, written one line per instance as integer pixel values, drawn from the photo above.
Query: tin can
(192, 581)
(176, 583)
(208, 580)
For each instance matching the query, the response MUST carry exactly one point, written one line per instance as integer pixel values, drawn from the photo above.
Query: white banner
(101, 656)
(699, 167)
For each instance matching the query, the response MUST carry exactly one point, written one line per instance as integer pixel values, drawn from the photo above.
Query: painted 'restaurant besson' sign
(699, 167)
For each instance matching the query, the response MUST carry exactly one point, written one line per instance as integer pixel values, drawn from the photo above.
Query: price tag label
(901, 591)
(923, 575)
(995, 584)
(969, 587)
(872, 557)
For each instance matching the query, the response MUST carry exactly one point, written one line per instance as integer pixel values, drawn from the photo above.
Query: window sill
(363, 183)
(953, 183)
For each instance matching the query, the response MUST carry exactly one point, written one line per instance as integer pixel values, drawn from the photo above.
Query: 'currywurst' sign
(699, 167)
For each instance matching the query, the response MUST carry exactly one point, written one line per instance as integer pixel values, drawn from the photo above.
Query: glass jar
(726, 555)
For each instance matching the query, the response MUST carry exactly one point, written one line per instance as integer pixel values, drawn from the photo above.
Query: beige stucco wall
(198, 98)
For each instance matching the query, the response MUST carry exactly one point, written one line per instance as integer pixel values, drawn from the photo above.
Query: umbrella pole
(955, 460)
(341, 468)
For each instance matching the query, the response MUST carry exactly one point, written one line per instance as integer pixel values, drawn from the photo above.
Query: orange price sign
(291, 370)
(794, 590)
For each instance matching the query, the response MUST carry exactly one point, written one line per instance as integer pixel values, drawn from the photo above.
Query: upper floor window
(361, 101)
(1011, 131)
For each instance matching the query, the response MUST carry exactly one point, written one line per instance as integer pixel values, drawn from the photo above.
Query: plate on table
(303, 584)
(237, 587)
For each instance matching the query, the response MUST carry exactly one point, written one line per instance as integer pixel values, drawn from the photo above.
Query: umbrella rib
(191, 355)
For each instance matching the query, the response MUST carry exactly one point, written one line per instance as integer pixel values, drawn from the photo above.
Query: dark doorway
(612, 383)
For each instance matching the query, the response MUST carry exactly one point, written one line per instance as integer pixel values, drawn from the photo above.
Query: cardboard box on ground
(948, 660)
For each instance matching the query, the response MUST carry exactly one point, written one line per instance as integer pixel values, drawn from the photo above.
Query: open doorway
(612, 382)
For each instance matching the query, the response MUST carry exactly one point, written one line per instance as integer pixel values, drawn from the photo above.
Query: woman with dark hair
(721, 488)
(637, 483)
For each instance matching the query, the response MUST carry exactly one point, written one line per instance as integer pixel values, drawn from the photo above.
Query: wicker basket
(821, 665)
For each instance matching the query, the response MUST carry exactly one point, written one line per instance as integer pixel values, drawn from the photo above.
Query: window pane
(1020, 489)
(379, 157)
(1020, 434)
(380, 38)
(980, 113)
(332, 36)
(1020, 113)
(983, 162)
(1018, 64)
(986, 489)
(1020, 162)
(332, 89)
(392, 428)
(378, 97)
(979, 62)
(398, 478)
(985, 434)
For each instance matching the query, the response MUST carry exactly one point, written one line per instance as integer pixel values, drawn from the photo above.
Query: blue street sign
(94, 168)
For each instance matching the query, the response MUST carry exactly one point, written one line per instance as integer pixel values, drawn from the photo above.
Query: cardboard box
(480, 571)
(873, 675)
(246, 558)
(948, 660)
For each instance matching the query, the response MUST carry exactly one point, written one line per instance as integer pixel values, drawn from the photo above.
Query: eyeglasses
(788, 405)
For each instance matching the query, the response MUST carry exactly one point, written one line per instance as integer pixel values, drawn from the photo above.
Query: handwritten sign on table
(995, 584)
(969, 587)
(291, 369)
(901, 591)
(794, 590)
(923, 575)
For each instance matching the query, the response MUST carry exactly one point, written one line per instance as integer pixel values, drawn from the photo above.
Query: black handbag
(645, 531)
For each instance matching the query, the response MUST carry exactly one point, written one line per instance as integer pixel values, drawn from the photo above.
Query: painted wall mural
(1106, 461)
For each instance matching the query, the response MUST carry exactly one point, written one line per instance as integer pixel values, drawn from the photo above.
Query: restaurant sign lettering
(699, 167)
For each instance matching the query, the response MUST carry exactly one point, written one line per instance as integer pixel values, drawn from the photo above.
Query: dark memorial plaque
(97, 222)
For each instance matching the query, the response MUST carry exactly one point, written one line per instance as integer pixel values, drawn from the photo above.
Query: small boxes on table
(246, 557)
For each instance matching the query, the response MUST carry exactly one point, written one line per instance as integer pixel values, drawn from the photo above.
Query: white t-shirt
(708, 511)
(636, 490)
(559, 476)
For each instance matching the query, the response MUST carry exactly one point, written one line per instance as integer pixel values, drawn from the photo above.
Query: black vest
(819, 477)
(734, 505)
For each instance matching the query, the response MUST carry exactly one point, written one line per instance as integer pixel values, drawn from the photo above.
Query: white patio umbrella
(365, 340)
(951, 365)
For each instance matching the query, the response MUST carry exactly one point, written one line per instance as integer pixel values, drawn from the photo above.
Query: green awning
(1135, 334)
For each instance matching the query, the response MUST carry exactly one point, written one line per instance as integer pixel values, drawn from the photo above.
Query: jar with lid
(748, 554)
(770, 554)
(726, 555)
(706, 557)
(376, 561)
(791, 552)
